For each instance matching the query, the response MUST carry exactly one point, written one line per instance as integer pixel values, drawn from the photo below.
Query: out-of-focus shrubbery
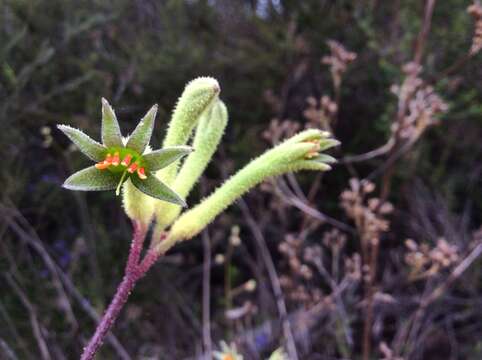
(414, 223)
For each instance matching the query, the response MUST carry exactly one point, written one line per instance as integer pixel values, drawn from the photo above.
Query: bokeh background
(377, 259)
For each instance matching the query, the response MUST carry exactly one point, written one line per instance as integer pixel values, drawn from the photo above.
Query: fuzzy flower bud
(301, 152)
(198, 96)
(208, 135)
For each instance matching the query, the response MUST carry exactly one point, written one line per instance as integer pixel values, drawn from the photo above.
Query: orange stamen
(102, 165)
(132, 168)
(108, 159)
(116, 159)
(141, 172)
(127, 160)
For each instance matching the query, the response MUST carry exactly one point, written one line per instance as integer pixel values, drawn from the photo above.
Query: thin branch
(456, 273)
(7, 350)
(207, 342)
(34, 241)
(92, 313)
(291, 199)
(275, 283)
(34, 321)
(59, 278)
(437, 293)
(422, 36)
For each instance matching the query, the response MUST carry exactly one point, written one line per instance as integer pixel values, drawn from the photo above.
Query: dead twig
(207, 342)
(38, 330)
(7, 350)
(60, 279)
(275, 283)
(437, 293)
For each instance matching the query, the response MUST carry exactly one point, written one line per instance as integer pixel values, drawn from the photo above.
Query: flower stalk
(135, 270)
(156, 182)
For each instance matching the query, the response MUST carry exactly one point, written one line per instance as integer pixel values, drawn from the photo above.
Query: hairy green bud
(206, 139)
(198, 96)
(300, 152)
(137, 205)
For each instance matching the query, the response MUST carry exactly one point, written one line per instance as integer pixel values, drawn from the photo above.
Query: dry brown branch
(275, 283)
(412, 329)
(60, 279)
(38, 330)
(7, 350)
(207, 342)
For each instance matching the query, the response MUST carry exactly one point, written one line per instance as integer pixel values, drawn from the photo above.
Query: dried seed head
(476, 11)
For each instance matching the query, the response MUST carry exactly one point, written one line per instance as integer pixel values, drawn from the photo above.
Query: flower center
(125, 161)
(314, 152)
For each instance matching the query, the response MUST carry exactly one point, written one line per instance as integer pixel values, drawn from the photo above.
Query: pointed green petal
(143, 132)
(326, 144)
(161, 158)
(86, 145)
(91, 179)
(157, 189)
(324, 158)
(111, 134)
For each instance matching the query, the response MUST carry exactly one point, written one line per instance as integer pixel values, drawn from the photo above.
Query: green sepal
(91, 179)
(161, 158)
(111, 134)
(324, 158)
(86, 145)
(157, 189)
(326, 144)
(143, 132)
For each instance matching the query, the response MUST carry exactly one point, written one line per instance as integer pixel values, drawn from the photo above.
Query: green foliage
(58, 58)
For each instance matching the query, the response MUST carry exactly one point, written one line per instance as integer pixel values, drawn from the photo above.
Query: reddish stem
(135, 269)
(140, 231)
(109, 317)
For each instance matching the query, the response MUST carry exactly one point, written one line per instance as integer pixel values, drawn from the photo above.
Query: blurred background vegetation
(62, 253)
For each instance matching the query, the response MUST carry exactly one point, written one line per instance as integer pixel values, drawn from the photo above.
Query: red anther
(132, 168)
(102, 165)
(116, 159)
(127, 160)
(141, 172)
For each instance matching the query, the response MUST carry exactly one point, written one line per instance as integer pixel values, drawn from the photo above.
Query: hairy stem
(135, 270)
(110, 316)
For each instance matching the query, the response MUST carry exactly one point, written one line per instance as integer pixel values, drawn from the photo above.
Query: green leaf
(86, 145)
(161, 158)
(111, 134)
(157, 189)
(143, 132)
(92, 179)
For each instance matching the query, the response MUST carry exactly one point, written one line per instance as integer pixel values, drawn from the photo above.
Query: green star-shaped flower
(119, 159)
